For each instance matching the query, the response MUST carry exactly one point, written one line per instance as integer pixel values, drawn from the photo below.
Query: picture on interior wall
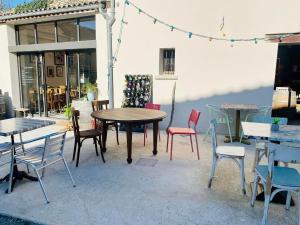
(50, 71)
(59, 71)
(59, 58)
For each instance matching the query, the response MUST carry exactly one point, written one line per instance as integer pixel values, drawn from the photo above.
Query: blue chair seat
(283, 176)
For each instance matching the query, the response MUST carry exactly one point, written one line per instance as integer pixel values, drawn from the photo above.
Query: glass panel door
(31, 83)
(72, 71)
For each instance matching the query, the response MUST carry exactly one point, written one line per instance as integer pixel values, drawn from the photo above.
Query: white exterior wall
(9, 69)
(208, 72)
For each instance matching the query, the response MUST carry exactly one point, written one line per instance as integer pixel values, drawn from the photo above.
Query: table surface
(289, 133)
(239, 106)
(129, 115)
(19, 125)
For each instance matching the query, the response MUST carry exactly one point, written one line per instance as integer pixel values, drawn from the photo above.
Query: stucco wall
(208, 72)
(8, 71)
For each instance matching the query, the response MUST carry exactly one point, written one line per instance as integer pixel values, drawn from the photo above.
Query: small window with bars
(167, 61)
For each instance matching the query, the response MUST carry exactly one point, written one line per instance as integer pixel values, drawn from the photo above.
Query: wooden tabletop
(19, 125)
(239, 106)
(289, 133)
(129, 115)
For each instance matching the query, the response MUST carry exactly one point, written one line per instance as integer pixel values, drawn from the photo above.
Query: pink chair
(150, 106)
(194, 117)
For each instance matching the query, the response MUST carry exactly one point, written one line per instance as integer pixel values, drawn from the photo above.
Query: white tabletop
(289, 133)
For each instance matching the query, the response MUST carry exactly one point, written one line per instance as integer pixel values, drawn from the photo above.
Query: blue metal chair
(282, 178)
(221, 117)
(236, 153)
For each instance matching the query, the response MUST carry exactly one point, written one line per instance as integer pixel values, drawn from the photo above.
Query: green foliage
(276, 120)
(33, 5)
(68, 112)
(89, 87)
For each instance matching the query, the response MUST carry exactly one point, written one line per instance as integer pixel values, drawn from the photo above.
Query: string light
(210, 38)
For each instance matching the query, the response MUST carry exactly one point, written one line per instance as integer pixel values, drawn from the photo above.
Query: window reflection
(26, 34)
(87, 29)
(45, 33)
(66, 31)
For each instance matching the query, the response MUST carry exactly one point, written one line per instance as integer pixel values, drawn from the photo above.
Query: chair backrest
(194, 118)
(282, 153)
(215, 112)
(54, 145)
(75, 115)
(213, 133)
(98, 105)
(152, 106)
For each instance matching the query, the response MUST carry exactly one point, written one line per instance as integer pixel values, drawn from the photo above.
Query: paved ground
(8, 220)
(169, 192)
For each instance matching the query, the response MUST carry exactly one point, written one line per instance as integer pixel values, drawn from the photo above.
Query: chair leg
(242, 171)
(212, 172)
(74, 151)
(167, 142)
(288, 200)
(242, 135)
(96, 149)
(229, 131)
(191, 143)
(41, 184)
(145, 134)
(171, 147)
(78, 154)
(117, 132)
(266, 208)
(69, 172)
(255, 162)
(255, 185)
(101, 149)
(197, 147)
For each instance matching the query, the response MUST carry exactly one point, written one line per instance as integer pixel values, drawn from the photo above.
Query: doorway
(50, 81)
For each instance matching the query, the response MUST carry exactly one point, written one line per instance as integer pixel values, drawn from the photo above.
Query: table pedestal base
(17, 175)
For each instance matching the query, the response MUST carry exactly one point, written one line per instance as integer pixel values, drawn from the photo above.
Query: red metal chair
(194, 118)
(150, 106)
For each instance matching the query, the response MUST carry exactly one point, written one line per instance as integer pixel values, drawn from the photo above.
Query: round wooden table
(130, 116)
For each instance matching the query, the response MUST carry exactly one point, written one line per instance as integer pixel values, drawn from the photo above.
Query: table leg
(129, 142)
(104, 135)
(237, 125)
(155, 134)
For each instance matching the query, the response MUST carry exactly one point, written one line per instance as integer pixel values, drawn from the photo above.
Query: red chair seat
(181, 130)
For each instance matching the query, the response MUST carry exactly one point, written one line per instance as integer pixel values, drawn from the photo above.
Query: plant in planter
(68, 114)
(275, 124)
(90, 90)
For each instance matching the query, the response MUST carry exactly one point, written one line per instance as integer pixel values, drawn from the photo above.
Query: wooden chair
(81, 136)
(150, 106)
(282, 178)
(194, 117)
(236, 153)
(99, 105)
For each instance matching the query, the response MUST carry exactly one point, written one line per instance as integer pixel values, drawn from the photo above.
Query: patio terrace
(169, 192)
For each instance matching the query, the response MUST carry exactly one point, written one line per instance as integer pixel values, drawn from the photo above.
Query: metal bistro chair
(98, 105)
(42, 156)
(263, 111)
(151, 106)
(221, 117)
(81, 136)
(282, 178)
(236, 153)
(261, 147)
(194, 118)
(5, 151)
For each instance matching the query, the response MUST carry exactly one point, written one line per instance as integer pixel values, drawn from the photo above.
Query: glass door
(72, 76)
(31, 80)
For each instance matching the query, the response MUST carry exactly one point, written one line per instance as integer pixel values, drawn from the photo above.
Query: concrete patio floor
(170, 192)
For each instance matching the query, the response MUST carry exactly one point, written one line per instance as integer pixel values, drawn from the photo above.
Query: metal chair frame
(238, 159)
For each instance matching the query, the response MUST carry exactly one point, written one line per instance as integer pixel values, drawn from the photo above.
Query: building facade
(68, 47)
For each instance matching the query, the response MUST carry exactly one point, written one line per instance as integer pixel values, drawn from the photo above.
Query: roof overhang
(284, 38)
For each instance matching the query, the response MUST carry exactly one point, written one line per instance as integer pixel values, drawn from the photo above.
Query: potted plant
(275, 124)
(68, 114)
(90, 90)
